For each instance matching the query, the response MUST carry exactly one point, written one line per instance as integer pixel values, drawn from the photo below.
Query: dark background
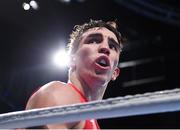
(149, 62)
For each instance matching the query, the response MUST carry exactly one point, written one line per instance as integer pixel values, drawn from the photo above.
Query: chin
(101, 80)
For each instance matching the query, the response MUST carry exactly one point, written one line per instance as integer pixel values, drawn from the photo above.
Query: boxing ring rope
(148, 103)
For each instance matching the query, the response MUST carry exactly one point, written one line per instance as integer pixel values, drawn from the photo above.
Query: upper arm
(52, 95)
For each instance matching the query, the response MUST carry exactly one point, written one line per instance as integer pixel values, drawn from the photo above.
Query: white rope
(156, 102)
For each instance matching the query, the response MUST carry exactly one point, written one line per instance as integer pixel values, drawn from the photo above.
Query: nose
(104, 48)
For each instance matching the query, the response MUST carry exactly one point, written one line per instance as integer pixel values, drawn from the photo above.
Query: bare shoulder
(52, 94)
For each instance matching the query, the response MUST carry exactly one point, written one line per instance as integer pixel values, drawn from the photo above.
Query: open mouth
(103, 61)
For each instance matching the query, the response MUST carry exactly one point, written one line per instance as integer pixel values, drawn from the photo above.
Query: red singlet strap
(78, 91)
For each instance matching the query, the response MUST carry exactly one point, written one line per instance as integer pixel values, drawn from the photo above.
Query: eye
(113, 46)
(94, 40)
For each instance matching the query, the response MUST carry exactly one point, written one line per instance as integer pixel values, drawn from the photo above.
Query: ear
(115, 73)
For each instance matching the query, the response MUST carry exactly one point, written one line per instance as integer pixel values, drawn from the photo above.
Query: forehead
(102, 30)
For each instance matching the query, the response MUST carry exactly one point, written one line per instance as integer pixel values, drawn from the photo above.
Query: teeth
(102, 61)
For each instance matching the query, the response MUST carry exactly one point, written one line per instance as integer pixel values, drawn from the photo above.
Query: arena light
(26, 6)
(31, 5)
(65, 1)
(34, 4)
(61, 58)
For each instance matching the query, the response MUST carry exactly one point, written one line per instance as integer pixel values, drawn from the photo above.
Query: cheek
(83, 54)
(115, 62)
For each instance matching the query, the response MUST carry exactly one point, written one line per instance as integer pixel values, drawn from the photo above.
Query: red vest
(89, 124)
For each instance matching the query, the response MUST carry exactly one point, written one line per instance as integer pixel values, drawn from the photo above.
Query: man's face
(97, 56)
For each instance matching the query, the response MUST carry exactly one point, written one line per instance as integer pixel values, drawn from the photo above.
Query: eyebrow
(95, 35)
(117, 43)
(100, 35)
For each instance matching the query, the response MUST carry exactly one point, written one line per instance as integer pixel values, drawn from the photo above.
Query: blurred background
(31, 31)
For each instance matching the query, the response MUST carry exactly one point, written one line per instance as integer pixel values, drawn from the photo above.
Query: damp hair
(78, 30)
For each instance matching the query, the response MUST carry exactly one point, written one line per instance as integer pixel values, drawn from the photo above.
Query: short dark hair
(80, 29)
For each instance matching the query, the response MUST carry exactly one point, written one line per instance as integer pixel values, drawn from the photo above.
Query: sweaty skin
(92, 66)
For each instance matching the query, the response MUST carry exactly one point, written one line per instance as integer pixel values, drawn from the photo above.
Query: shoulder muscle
(52, 94)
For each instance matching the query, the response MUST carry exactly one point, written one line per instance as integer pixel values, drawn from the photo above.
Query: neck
(92, 91)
